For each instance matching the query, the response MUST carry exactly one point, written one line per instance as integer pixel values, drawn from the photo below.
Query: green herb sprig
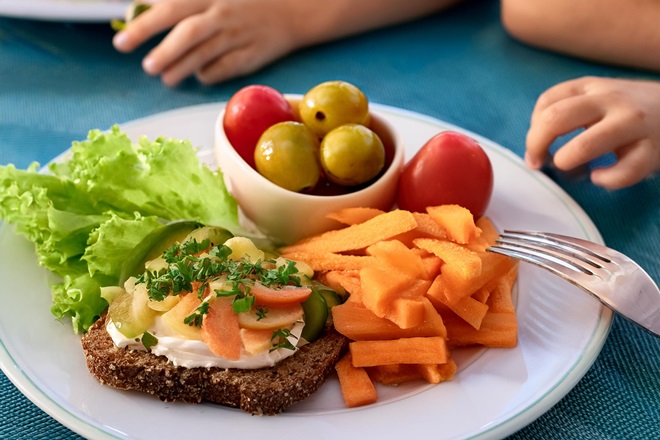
(192, 265)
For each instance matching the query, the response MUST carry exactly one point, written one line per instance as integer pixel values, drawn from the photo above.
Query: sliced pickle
(130, 312)
(316, 316)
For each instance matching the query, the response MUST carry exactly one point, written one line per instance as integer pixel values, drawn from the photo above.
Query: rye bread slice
(265, 391)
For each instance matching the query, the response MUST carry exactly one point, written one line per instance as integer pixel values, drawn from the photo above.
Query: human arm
(619, 116)
(622, 32)
(219, 39)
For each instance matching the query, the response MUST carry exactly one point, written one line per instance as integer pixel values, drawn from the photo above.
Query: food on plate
(215, 318)
(419, 285)
(286, 154)
(249, 112)
(176, 297)
(451, 168)
(349, 152)
(86, 214)
(331, 104)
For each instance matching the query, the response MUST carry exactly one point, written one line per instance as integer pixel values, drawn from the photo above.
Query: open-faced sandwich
(211, 317)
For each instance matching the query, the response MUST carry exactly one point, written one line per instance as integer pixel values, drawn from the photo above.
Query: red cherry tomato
(249, 112)
(451, 168)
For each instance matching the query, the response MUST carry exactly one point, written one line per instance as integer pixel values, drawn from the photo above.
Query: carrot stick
(321, 261)
(353, 216)
(356, 385)
(358, 236)
(431, 350)
(361, 324)
(457, 221)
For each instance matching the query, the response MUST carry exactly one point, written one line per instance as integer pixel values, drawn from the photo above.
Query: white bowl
(288, 216)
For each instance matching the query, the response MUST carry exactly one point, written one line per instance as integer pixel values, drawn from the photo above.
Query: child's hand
(620, 116)
(211, 39)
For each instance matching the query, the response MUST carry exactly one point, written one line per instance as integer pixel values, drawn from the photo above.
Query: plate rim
(65, 11)
(510, 424)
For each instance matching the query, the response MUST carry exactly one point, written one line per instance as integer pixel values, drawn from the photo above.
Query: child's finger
(559, 119)
(636, 161)
(160, 17)
(560, 92)
(615, 130)
(183, 40)
(204, 54)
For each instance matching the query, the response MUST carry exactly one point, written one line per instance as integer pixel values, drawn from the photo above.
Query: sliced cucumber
(331, 297)
(153, 245)
(214, 234)
(316, 316)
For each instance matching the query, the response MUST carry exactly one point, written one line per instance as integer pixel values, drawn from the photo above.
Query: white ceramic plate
(496, 392)
(65, 10)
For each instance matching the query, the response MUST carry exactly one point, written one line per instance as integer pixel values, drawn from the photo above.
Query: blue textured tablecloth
(58, 80)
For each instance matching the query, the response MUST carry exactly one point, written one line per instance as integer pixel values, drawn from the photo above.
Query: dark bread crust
(265, 391)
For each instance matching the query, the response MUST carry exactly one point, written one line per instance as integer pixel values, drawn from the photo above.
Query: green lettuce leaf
(86, 215)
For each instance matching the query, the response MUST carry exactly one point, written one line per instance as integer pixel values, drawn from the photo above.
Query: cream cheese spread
(193, 353)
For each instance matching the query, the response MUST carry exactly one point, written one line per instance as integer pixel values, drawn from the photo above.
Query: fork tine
(560, 244)
(544, 258)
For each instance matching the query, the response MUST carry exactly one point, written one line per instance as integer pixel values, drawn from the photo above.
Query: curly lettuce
(89, 211)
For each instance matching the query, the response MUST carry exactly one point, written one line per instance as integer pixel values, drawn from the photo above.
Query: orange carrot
(456, 287)
(359, 323)
(220, 329)
(457, 221)
(341, 280)
(498, 329)
(356, 385)
(430, 350)
(393, 295)
(396, 256)
(320, 261)
(468, 308)
(436, 373)
(358, 236)
(353, 216)
(394, 374)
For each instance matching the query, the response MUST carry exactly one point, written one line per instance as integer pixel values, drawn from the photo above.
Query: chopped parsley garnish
(148, 340)
(280, 339)
(195, 319)
(193, 265)
(261, 312)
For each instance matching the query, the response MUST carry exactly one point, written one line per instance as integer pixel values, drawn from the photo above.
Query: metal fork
(612, 277)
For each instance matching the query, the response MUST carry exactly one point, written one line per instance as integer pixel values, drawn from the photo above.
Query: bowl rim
(392, 171)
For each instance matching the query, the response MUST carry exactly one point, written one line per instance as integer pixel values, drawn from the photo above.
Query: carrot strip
(457, 221)
(394, 374)
(431, 350)
(396, 256)
(498, 329)
(322, 261)
(393, 295)
(436, 373)
(488, 235)
(221, 331)
(356, 385)
(468, 308)
(358, 236)
(361, 324)
(463, 262)
(341, 280)
(353, 216)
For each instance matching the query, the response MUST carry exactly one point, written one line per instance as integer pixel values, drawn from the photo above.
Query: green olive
(287, 155)
(352, 154)
(331, 104)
